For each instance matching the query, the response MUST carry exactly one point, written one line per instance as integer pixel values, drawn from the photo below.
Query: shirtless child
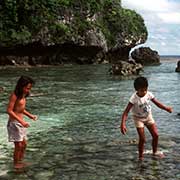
(17, 125)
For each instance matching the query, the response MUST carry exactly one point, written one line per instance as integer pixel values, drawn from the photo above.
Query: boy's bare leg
(154, 132)
(141, 142)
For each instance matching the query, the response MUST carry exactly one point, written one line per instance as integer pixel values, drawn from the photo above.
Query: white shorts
(16, 131)
(141, 122)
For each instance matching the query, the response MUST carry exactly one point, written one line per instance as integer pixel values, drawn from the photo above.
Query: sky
(162, 19)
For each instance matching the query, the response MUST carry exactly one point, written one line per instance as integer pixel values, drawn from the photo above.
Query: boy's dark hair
(22, 82)
(140, 82)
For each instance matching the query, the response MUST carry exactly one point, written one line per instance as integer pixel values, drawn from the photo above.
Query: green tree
(59, 21)
(123, 26)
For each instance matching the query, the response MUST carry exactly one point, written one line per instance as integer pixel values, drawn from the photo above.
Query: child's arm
(124, 118)
(162, 106)
(31, 116)
(12, 101)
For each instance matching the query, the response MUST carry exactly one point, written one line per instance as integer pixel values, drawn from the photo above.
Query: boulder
(125, 68)
(178, 66)
(146, 56)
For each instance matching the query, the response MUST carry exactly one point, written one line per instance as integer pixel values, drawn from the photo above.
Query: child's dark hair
(140, 82)
(22, 82)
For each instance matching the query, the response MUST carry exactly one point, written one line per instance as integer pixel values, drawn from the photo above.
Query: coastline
(163, 58)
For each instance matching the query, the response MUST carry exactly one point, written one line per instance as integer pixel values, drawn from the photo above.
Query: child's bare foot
(26, 164)
(159, 154)
(141, 158)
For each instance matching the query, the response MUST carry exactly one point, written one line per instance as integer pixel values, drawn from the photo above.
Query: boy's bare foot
(159, 154)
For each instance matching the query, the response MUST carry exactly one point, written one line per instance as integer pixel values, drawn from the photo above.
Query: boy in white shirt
(139, 103)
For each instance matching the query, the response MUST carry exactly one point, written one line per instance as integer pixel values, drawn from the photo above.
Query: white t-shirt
(141, 105)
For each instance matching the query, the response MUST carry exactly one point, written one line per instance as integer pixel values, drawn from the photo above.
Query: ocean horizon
(174, 56)
(169, 58)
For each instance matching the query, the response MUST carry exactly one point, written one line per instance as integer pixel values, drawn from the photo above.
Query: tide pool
(77, 135)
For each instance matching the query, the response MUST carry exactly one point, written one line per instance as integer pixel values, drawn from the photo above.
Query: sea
(77, 134)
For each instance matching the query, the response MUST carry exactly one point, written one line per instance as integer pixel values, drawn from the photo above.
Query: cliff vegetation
(60, 31)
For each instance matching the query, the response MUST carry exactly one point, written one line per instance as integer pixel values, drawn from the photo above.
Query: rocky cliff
(67, 31)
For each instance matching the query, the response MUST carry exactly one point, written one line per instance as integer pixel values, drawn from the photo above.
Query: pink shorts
(141, 122)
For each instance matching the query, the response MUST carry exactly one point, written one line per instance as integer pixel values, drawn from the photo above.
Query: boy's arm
(162, 106)
(10, 107)
(31, 116)
(124, 118)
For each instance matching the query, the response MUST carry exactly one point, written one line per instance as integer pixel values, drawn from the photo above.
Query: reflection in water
(77, 135)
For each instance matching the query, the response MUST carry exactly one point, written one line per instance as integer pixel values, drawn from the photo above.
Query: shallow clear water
(77, 134)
